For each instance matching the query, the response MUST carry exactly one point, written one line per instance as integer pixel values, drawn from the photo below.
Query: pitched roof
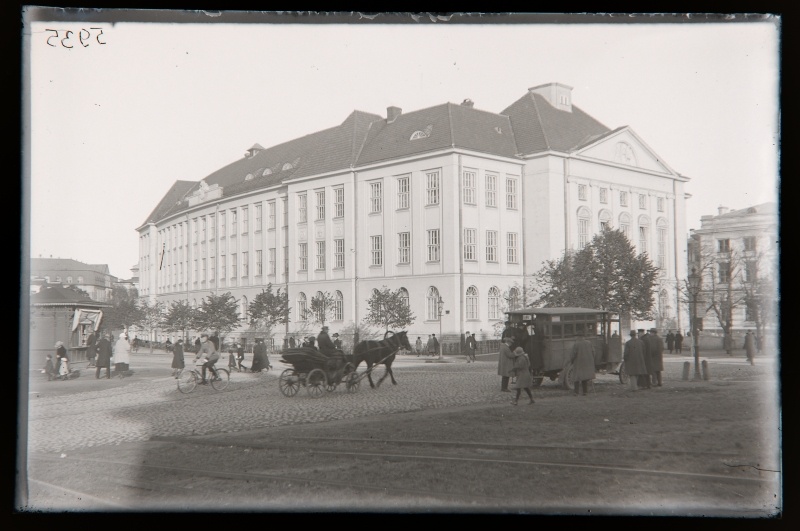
(65, 264)
(539, 126)
(170, 203)
(61, 296)
(763, 208)
(440, 127)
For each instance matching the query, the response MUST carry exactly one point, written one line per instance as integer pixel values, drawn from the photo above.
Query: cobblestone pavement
(147, 407)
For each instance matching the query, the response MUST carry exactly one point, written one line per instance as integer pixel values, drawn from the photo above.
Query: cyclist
(208, 355)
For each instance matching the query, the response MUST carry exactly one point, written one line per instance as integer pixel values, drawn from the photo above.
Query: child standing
(50, 369)
(522, 369)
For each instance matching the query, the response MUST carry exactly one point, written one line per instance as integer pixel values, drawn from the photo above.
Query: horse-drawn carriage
(320, 372)
(315, 371)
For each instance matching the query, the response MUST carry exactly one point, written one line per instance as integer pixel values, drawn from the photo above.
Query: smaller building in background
(94, 279)
(736, 254)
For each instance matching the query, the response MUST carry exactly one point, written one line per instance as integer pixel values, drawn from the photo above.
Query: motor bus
(552, 333)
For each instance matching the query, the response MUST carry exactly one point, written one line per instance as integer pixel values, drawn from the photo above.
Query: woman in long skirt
(522, 369)
(177, 358)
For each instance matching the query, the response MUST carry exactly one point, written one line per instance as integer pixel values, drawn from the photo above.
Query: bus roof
(555, 311)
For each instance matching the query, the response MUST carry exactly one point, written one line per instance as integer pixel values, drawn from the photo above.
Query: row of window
(583, 195)
(624, 226)
(748, 244)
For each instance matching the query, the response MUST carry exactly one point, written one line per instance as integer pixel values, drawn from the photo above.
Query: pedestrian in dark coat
(177, 358)
(472, 345)
(324, 342)
(670, 341)
(103, 356)
(509, 331)
(337, 343)
(644, 380)
(522, 337)
(292, 342)
(240, 357)
(750, 347)
(582, 359)
(679, 342)
(656, 356)
(50, 369)
(522, 371)
(634, 360)
(215, 341)
(260, 359)
(91, 348)
(505, 363)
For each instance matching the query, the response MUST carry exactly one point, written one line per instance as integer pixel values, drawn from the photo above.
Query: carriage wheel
(352, 381)
(538, 377)
(569, 376)
(316, 383)
(624, 377)
(331, 384)
(289, 382)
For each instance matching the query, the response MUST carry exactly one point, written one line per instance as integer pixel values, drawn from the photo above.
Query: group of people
(323, 342)
(644, 359)
(675, 342)
(431, 347)
(99, 353)
(208, 354)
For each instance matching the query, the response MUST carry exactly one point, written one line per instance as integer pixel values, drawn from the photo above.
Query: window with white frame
(375, 197)
(196, 230)
(605, 220)
(260, 262)
(271, 215)
(660, 204)
(643, 238)
(203, 270)
(511, 193)
(203, 224)
(403, 190)
(432, 178)
(604, 195)
(724, 272)
(320, 255)
(223, 266)
(376, 250)
(723, 245)
(494, 303)
(234, 219)
(259, 214)
(245, 220)
(212, 269)
(338, 306)
(491, 190)
(338, 254)
(212, 228)
(642, 201)
(432, 304)
(302, 257)
(222, 224)
(285, 211)
(661, 260)
(582, 192)
(234, 264)
(469, 187)
(302, 306)
(511, 248)
(286, 260)
(472, 303)
(320, 204)
(623, 199)
(470, 244)
(491, 246)
(625, 225)
(583, 227)
(749, 243)
(243, 308)
(302, 208)
(433, 245)
(338, 202)
(404, 298)
(271, 260)
(245, 263)
(404, 247)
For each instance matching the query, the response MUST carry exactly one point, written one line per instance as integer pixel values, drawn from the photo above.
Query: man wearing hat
(337, 342)
(208, 355)
(656, 351)
(505, 363)
(634, 360)
(103, 356)
(324, 343)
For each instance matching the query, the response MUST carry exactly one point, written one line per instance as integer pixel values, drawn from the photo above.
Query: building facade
(94, 279)
(736, 254)
(448, 203)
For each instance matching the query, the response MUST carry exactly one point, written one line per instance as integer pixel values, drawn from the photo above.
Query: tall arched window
(320, 313)
(243, 309)
(513, 299)
(583, 227)
(472, 302)
(644, 233)
(431, 304)
(625, 224)
(338, 306)
(661, 257)
(403, 292)
(302, 306)
(663, 303)
(494, 303)
(605, 219)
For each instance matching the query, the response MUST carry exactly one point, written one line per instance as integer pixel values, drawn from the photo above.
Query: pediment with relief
(204, 192)
(627, 149)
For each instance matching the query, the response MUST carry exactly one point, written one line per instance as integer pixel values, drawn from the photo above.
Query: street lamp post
(694, 289)
(439, 306)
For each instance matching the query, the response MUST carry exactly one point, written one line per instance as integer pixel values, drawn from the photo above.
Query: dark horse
(380, 352)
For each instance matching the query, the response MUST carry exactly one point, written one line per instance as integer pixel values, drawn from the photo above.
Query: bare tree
(321, 308)
(760, 291)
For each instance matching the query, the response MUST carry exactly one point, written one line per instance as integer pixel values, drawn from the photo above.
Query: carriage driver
(208, 356)
(324, 343)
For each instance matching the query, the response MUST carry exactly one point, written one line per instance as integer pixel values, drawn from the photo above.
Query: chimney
(468, 103)
(722, 210)
(392, 113)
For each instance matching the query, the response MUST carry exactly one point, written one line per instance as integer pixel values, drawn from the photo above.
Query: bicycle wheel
(222, 380)
(187, 381)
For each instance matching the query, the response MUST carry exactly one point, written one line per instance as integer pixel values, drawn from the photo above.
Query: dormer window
(266, 172)
(287, 166)
(248, 177)
(422, 134)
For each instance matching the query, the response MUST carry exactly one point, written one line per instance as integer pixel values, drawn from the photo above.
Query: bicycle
(188, 380)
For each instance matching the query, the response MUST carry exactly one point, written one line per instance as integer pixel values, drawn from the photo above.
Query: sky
(112, 126)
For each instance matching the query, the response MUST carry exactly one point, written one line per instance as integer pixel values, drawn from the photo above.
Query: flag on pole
(163, 250)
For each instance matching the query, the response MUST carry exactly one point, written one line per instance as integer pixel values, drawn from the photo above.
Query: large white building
(447, 202)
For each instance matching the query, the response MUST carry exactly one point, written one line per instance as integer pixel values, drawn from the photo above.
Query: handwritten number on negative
(84, 36)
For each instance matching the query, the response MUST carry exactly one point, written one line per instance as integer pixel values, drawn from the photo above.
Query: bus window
(569, 329)
(556, 329)
(591, 329)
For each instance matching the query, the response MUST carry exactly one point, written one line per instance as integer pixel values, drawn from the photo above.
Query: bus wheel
(568, 376)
